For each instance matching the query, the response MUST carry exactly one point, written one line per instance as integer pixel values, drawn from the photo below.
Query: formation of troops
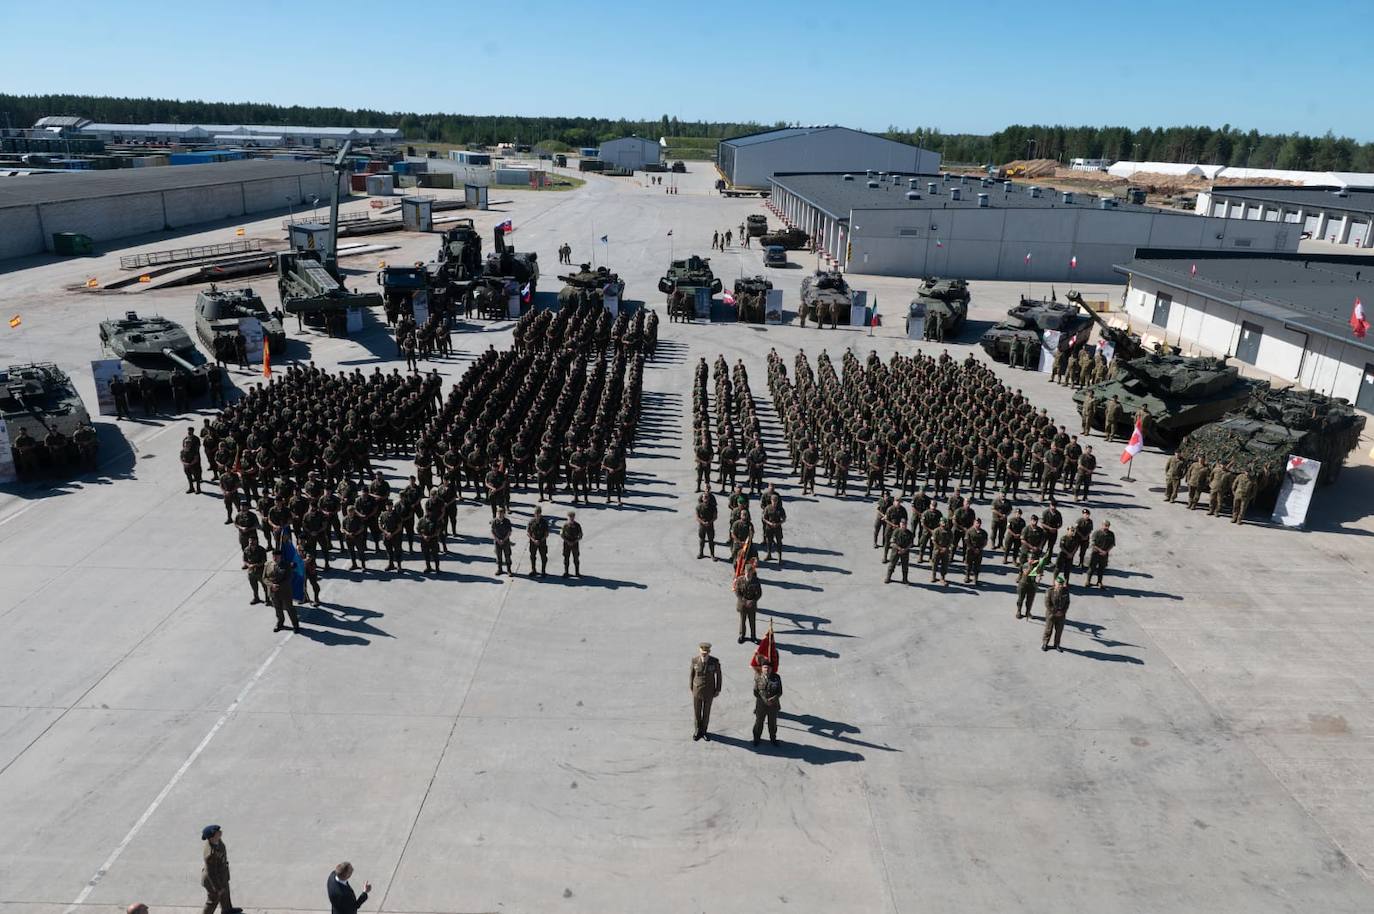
(1219, 480)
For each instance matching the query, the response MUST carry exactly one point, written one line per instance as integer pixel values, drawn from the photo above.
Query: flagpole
(1129, 464)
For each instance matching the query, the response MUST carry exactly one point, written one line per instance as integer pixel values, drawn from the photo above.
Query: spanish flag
(767, 650)
(15, 322)
(266, 359)
(742, 559)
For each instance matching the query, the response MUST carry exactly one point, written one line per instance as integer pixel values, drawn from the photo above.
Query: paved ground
(474, 744)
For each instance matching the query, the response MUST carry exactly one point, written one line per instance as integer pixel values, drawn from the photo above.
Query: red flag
(767, 650)
(1028, 257)
(1358, 325)
(1073, 261)
(1136, 444)
(266, 359)
(1192, 271)
(742, 559)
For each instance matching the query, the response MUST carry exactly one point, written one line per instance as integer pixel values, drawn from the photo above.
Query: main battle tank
(38, 399)
(793, 239)
(1180, 392)
(943, 299)
(756, 225)
(1273, 425)
(946, 290)
(1030, 319)
(588, 285)
(154, 347)
(751, 294)
(218, 312)
(825, 297)
(682, 280)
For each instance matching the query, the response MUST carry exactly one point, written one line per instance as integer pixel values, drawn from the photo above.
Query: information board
(1295, 496)
(103, 371)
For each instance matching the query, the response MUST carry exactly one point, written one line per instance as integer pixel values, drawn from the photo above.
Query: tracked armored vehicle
(521, 268)
(311, 292)
(939, 308)
(756, 225)
(793, 239)
(588, 285)
(1028, 322)
(1181, 393)
(751, 294)
(218, 312)
(155, 347)
(37, 401)
(825, 297)
(681, 282)
(945, 290)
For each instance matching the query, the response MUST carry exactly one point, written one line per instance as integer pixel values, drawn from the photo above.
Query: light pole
(1248, 155)
(290, 208)
(1137, 152)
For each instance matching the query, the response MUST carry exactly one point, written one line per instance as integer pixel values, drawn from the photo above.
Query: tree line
(1224, 146)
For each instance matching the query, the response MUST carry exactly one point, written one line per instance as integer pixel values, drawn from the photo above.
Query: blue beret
(207, 831)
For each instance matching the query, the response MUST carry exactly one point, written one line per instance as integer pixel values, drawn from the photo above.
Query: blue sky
(963, 68)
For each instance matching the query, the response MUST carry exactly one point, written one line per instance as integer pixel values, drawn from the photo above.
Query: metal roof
(84, 185)
(1353, 199)
(1313, 293)
(836, 197)
(767, 136)
(243, 129)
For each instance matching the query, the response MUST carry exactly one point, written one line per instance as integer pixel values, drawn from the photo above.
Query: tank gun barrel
(172, 354)
(1127, 344)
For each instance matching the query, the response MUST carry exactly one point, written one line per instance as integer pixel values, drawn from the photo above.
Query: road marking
(176, 778)
(11, 517)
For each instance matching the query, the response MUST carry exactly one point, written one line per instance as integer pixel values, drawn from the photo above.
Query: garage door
(1247, 347)
(1359, 232)
(1310, 225)
(1364, 398)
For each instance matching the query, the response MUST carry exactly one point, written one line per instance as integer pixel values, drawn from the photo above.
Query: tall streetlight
(1248, 155)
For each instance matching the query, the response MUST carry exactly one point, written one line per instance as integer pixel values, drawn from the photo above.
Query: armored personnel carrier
(682, 280)
(756, 225)
(825, 297)
(751, 294)
(793, 239)
(1273, 425)
(155, 347)
(1030, 319)
(218, 312)
(37, 400)
(311, 292)
(1180, 392)
(588, 285)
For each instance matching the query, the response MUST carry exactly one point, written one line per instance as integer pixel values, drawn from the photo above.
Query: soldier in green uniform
(571, 533)
(190, 460)
(277, 577)
(767, 701)
(1219, 486)
(1051, 521)
(774, 516)
(1103, 541)
(214, 874)
(1173, 476)
(1014, 356)
(885, 501)
(893, 518)
(1027, 585)
(930, 522)
(975, 541)
(355, 537)
(1016, 525)
(1111, 416)
(942, 542)
(748, 592)
(1240, 497)
(393, 529)
(430, 527)
(704, 681)
(537, 532)
(1087, 411)
(706, 523)
(1056, 609)
(1001, 507)
(254, 558)
(900, 552)
(1033, 540)
(1083, 479)
(809, 458)
(1197, 476)
(501, 539)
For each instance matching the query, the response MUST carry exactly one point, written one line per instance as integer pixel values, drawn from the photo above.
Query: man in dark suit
(342, 899)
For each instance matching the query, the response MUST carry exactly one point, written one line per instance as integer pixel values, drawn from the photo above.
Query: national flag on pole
(939, 243)
(1028, 258)
(15, 322)
(1136, 444)
(873, 321)
(742, 559)
(506, 227)
(605, 239)
(266, 359)
(239, 232)
(1073, 261)
(293, 558)
(525, 294)
(1192, 271)
(767, 650)
(729, 297)
(1358, 325)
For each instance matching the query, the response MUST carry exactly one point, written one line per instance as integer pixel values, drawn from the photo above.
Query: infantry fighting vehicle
(793, 239)
(155, 347)
(35, 400)
(681, 282)
(825, 297)
(312, 293)
(1274, 424)
(588, 285)
(756, 225)
(1030, 319)
(218, 312)
(751, 294)
(460, 252)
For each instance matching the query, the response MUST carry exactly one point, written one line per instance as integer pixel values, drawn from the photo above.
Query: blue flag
(289, 553)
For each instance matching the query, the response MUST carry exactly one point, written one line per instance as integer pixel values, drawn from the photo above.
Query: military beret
(207, 831)
(705, 645)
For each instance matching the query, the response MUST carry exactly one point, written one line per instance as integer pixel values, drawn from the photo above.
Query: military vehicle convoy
(1030, 319)
(751, 296)
(156, 348)
(39, 400)
(218, 312)
(589, 286)
(1272, 425)
(756, 225)
(940, 306)
(311, 292)
(681, 282)
(792, 239)
(825, 297)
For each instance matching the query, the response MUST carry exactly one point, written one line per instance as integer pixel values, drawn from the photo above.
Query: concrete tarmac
(474, 743)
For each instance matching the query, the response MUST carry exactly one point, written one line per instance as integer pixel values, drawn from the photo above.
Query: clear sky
(974, 67)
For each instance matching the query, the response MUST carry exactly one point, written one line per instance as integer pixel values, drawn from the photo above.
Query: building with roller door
(753, 159)
(1335, 214)
(1286, 314)
(126, 202)
(630, 153)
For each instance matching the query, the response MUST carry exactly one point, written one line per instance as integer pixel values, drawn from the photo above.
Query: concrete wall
(263, 195)
(1205, 326)
(21, 232)
(104, 218)
(204, 204)
(832, 150)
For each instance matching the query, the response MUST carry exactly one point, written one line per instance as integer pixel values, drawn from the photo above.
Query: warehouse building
(122, 203)
(630, 153)
(241, 134)
(1340, 215)
(1287, 315)
(947, 225)
(750, 161)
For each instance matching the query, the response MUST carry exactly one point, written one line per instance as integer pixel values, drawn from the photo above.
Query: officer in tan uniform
(704, 681)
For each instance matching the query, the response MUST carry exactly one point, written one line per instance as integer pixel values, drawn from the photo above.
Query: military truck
(751, 296)
(793, 239)
(681, 282)
(756, 225)
(37, 400)
(825, 297)
(589, 286)
(218, 312)
(311, 292)
(1030, 319)
(155, 347)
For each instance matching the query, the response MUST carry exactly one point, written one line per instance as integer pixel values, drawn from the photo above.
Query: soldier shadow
(812, 550)
(333, 616)
(1113, 591)
(1109, 658)
(814, 568)
(803, 650)
(832, 729)
(592, 580)
(795, 585)
(1338, 515)
(332, 638)
(802, 623)
(812, 755)
(1094, 631)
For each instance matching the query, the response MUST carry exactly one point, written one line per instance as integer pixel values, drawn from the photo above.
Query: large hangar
(122, 203)
(751, 160)
(948, 225)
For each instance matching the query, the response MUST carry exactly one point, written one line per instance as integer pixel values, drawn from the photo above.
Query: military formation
(1225, 485)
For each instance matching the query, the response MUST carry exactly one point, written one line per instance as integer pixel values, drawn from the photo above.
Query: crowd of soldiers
(149, 394)
(1219, 480)
(56, 451)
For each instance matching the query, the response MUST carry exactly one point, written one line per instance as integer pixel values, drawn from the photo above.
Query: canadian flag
(1358, 325)
(1192, 271)
(1135, 445)
(729, 298)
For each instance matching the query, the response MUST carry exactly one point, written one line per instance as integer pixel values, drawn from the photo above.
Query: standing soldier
(930, 522)
(975, 541)
(214, 875)
(1103, 542)
(254, 557)
(880, 528)
(1173, 475)
(809, 457)
(1014, 356)
(1087, 464)
(1001, 507)
(571, 533)
(1088, 410)
(1056, 609)
(537, 531)
(229, 490)
(120, 392)
(1063, 562)
(942, 541)
(501, 537)
(1027, 585)
(393, 528)
(703, 455)
(498, 488)
(901, 552)
(703, 679)
(1051, 520)
(893, 518)
(430, 527)
(355, 536)
(1240, 497)
(1197, 475)
(190, 460)
(767, 701)
(706, 523)
(1016, 525)
(1219, 486)
(729, 456)
(1111, 415)
(748, 592)
(278, 579)
(774, 516)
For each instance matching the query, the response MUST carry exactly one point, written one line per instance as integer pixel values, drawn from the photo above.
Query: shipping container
(72, 244)
(380, 186)
(357, 183)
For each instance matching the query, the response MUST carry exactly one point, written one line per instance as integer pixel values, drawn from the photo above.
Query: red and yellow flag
(15, 322)
(742, 559)
(767, 650)
(266, 359)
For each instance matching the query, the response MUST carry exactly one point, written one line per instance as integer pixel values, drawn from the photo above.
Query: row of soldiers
(33, 457)
(923, 420)
(180, 386)
(1083, 368)
(738, 431)
(1220, 480)
(588, 329)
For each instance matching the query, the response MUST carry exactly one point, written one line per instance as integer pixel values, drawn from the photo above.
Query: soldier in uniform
(501, 538)
(355, 538)
(1219, 485)
(1056, 609)
(706, 523)
(1087, 411)
(1016, 525)
(1103, 542)
(930, 522)
(704, 681)
(1173, 476)
(1001, 507)
(1068, 545)
(214, 874)
(703, 456)
(277, 576)
(748, 592)
(1051, 521)
(880, 528)
(1082, 533)
(190, 460)
(254, 558)
(975, 541)
(1111, 417)
(537, 532)
(1033, 540)
(120, 392)
(1197, 476)
(246, 522)
(809, 457)
(900, 552)
(1087, 463)
(942, 542)
(1027, 585)
(767, 701)
(393, 528)
(893, 518)
(571, 534)
(431, 528)
(774, 516)
(1240, 497)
